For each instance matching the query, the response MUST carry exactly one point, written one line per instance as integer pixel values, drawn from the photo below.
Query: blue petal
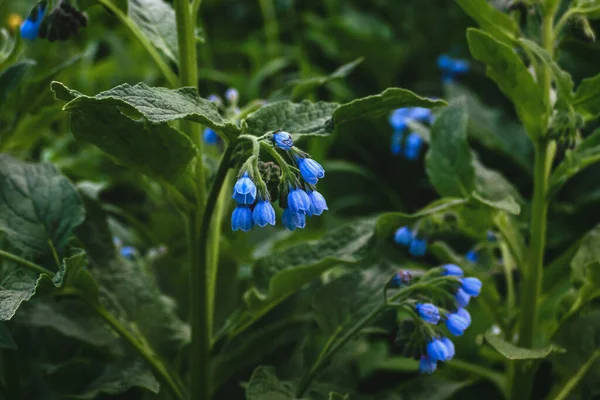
(403, 236)
(449, 347)
(283, 140)
(263, 214)
(310, 170)
(452, 270)
(244, 190)
(462, 298)
(471, 286)
(298, 202)
(241, 219)
(429, 313)
(317, 203)
(426, 366)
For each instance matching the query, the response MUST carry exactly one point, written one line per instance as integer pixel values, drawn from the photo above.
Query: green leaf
(264, 385)
(496, 23)
(303, 118)
(507, 224)
(13, 294)
(38, 206)
(11, 77)
(448, 160)
(512, 352)
(589, 8)
(380, 105)
(6, 340)
(585, 265)
(510, 73)
(74, 277)
(156, 19)
(494, 190)
(585, 154)
(587, 97)
(157, 105)
(302, 87)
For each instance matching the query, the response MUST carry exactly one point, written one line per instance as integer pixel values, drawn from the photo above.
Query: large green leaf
(264, 385)
(491, 20)
(305, 118)
(494, 190)
(381, 104)
(448, 160)
(38, 207)
(585, 265)
(510, 73)
(587, 97)
(512, 352)
(156, 19)
(584, 155)
(13, 294)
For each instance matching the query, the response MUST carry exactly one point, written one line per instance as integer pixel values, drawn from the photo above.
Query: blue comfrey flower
(472, 256)
(426, 366)
(456, 324)
(449, 347)
(241, 218)
(464, 314)
(403, 236)
(210, 136)
(128, 252)
(418, 247)
(421, 114)
(436, 351)
(413, 146)
(31, 27)
(400, 279)
(298, 201)
(293, 220)
(244, 190)
(283, 140)
(452, 270)
(310, 170)
(398, 119)
(215, 99)
(428, 312)
(396, 142)
(451, 67)
(232, 95)
(471, 286)
(317, 203)
(263, 213)
(462, 298)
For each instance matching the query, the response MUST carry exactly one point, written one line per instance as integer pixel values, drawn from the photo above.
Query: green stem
(574, 381)
(271, 26)
(151, 358)
(139, 35)
(27, 264)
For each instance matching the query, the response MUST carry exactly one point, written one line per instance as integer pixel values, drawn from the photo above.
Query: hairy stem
(27, 264)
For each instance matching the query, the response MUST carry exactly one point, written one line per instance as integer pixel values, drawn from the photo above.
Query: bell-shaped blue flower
(210, 136)
(396, 142)
(128, 252)
(317, 203)
(403, 236)
(428, 313)
(413, 146)
(471, 256)
(31, 27)
(436, 351)
(241, 218)
(449, 347)
(452, 270)
(462, 298)
(464, 314)
(420, 114)
(310, 170)
(244, 190)
(451, 67)
(456, 324)
(426, 366)
(283, 140)
(471, 286)
(399, 119)
(292, 221)
(298, 201)
(418, 247)
(263, 214)
(232, 95)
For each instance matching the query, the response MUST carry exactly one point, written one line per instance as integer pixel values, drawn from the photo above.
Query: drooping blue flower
(210, 136)
(452, 270)
(128, 252)
(298, 201)
(462, 298)
(464, 314)
(428, 313)
(244, 190)
(241, 218)
(403, 236)
(293, 220)
(310, 170)
(456, 324)
(472, 256)
(449, 347)
(426, 366)
(283, 140)
(420, 114)
(399, 119)
(400, 279)
(232, 95)
(413, 146)
(31, 27)
(263, 214)
(396, 142)
(436, 351)
(471, 286)
(418, 247)
(452, 67)
(317, 203)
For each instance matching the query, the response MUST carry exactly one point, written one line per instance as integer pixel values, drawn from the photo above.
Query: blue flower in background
(31, 27)
(428, 312)
(241, 219)
(128, 252)
(471, 286)
(462, 298)
(418, 247)
(292, 220)
(437, 351)
(426, 366)
(244, 190)
(456, 324)
(210, 136)
(413, 146)
(317, 203)
(452, 67)
(232, 95)
(396, 142)
(399, 119)
(452, 270)
(310, 170)
(421, 114)
(403, 236)
(449, 348)
(472, 256)
(215, 99)
(283, 140)
(298, 202)
(263, 214)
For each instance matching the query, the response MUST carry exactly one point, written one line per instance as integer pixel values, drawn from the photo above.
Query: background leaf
(513, 352)
(491, 20)
(156, 19)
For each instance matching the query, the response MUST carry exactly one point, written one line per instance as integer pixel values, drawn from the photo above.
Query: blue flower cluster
(417, 246)
(299, 199)
(408, 145)
(31, 26)
(452, 67)
(439, 347)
